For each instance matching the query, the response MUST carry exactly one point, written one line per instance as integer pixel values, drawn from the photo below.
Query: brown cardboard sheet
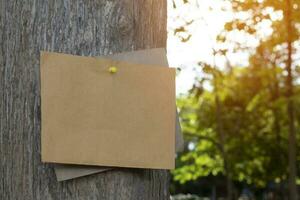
(93, 117)
(156, 56)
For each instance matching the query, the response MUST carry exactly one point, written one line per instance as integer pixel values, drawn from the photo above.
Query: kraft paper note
(93, 117)
(155, 56)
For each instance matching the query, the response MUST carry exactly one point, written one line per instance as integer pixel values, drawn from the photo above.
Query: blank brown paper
(93, 117)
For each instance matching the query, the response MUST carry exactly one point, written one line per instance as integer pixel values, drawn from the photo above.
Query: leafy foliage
(254, 123)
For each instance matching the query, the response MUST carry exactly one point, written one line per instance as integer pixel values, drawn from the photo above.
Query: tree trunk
(220, 132)
(222, 141)
(81, 27)
(280, 154)
(290, 111)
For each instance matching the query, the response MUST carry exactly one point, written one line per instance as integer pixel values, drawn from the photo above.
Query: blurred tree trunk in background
(89, 28)
(222, 141)
(220, 129)
(291, 115)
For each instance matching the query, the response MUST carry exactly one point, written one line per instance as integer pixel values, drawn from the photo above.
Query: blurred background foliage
(241, 123)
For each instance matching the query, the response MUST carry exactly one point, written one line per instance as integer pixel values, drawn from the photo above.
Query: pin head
(112, 69)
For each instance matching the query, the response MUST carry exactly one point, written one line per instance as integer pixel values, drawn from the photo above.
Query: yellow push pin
(112, 69)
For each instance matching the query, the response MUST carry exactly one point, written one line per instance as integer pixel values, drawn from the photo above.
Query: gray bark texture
(80, 27)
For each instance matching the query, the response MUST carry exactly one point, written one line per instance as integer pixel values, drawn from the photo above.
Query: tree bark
(290, 111)
(81, 27)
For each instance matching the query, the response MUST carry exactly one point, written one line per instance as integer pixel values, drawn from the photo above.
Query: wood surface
(81, 27)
